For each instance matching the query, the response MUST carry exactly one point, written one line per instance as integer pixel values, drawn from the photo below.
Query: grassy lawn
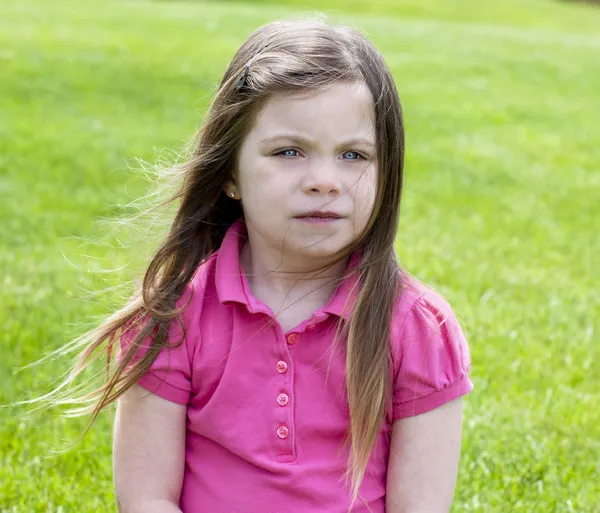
(500, 214)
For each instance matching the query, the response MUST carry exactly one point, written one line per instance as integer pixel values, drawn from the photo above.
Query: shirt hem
(163, 389)
(433, 400)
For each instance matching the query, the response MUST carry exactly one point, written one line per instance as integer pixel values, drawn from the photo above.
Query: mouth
(321, 216)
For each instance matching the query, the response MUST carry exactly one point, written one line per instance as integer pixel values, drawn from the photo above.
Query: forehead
(344, 109)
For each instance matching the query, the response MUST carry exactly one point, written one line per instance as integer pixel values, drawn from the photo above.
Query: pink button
(292, 338)
(281, 367)
(283, 399)
(283, 432)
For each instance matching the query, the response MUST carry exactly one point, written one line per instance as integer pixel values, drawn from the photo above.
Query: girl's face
(306, 153)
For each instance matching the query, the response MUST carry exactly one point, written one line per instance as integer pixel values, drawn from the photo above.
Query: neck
(282, 281)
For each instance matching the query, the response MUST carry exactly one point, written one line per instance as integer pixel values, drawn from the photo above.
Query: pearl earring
(232, 194)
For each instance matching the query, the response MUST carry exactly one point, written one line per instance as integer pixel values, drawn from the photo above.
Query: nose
(322, 179)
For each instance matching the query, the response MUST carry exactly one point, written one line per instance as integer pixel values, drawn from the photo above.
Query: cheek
(261, 191)
(366, 191)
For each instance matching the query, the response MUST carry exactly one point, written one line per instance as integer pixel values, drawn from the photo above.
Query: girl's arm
(423, 464)
(148, 452)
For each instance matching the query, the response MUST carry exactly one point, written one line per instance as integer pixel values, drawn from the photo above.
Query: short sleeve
(170, 375)
(431, 358)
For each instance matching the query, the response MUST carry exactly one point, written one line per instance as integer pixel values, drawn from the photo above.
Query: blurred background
(500, 213)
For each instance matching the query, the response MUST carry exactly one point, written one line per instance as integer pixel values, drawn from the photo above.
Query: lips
(325, 214)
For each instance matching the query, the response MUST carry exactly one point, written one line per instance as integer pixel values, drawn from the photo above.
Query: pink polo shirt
(265, 420)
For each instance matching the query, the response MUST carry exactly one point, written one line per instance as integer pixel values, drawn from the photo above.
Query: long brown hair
(285, 56)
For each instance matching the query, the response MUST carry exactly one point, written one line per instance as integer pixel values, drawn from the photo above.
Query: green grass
(500, 213)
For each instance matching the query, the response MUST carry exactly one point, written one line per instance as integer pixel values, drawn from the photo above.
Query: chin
(320, 248)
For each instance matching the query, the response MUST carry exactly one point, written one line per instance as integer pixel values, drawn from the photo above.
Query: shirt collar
(232, 285)
(229, 274)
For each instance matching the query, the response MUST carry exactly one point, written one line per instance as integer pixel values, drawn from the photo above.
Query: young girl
(277, 358)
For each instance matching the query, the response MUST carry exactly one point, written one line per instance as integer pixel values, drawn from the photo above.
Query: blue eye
(354, 155)
(288, 153)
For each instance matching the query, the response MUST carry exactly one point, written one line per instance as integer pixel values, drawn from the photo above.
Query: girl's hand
(148, 452)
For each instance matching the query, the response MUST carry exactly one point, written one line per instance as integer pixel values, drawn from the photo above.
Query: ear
(230, 189)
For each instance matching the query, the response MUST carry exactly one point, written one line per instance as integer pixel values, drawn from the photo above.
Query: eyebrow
(303, 140)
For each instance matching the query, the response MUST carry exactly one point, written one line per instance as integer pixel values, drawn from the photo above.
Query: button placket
(284, 369)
